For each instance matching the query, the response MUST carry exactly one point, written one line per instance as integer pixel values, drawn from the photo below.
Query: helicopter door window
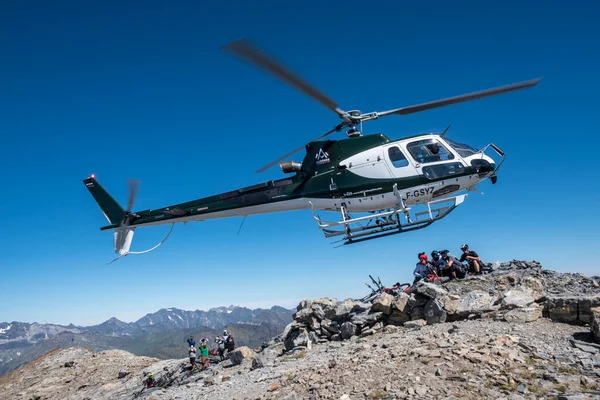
(443, 170)
(397, 157)
(428, 151)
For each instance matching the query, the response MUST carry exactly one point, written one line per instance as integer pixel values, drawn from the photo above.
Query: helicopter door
(398, 164)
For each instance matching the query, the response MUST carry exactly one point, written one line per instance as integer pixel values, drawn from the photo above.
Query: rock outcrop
(489, 336)
(516, 292)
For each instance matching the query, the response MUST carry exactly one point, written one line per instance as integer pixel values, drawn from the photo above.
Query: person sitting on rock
(204, 355)
(437, 262)
(472, 259)
(453, 267)
(422, 268)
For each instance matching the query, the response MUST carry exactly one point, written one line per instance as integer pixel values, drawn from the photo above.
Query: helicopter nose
(483, 166)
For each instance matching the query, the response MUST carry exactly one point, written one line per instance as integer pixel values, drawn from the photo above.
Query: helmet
(464, 247)
(435, 253)
(434, 148)
(423, 256)
(444, 252)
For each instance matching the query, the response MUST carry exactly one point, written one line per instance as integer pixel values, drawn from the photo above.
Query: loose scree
(370, 174)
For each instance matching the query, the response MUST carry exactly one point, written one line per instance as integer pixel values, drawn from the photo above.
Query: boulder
(562, 308)
(474, 301)
(418, 323)
(347, 330)
(341, 311)
(398, 317)
(435, 312)
(525, 314)
(430, 290)
(451, 304)
(318, 311)
(295, 338)
(240, 355)
(332, 327)
(359, 306)
(258, 362)
(313, 323)
(400, 302)
(417, 313)
(585, 306)
(596, 323)
(303, 315)
(313, 337)
(366, 318)
(517, 297)
(382, 303)
(417, 300)
(535, 287)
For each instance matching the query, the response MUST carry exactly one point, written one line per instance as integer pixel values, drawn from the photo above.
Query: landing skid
(386, 222)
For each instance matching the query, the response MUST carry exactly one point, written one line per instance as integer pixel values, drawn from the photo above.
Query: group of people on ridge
(224, 343)
(445, 264)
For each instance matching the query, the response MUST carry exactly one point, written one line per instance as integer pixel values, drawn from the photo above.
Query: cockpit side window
(397, 157)
(428, 151)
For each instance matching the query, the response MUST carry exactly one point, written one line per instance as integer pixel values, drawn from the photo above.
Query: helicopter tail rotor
(114, 213)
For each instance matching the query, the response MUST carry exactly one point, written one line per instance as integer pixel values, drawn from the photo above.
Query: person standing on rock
(230, 343)
(422, 268)
(192, 353)
(221, 347)
(204, 355)
(472, 258)
(191, 341)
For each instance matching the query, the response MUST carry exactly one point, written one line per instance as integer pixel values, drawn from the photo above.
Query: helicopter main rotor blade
(269, 165)
(245, 50)
(461, 98)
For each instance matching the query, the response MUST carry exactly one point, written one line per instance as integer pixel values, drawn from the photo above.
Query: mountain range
(159, 334)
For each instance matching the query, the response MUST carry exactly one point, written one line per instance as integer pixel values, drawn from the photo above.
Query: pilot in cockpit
(434, 148)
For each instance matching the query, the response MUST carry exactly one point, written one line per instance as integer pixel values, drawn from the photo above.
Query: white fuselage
(373, 164)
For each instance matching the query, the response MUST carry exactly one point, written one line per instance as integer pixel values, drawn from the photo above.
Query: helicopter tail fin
(113, 212)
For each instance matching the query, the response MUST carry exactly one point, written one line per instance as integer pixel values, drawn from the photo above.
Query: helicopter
(364, 173)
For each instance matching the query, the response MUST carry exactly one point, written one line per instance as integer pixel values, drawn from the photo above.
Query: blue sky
(143, 90)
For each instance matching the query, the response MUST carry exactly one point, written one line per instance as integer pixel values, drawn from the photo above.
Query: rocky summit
(518, 332)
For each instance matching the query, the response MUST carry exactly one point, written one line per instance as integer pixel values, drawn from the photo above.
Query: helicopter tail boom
(113, 212)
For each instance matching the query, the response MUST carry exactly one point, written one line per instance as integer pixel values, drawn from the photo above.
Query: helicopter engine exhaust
(290, 166)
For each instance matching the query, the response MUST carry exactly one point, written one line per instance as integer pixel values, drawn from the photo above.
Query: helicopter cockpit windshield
(428, 150)
(463, 150)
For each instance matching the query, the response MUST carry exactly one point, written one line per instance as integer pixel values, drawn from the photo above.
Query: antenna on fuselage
(445, 131)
